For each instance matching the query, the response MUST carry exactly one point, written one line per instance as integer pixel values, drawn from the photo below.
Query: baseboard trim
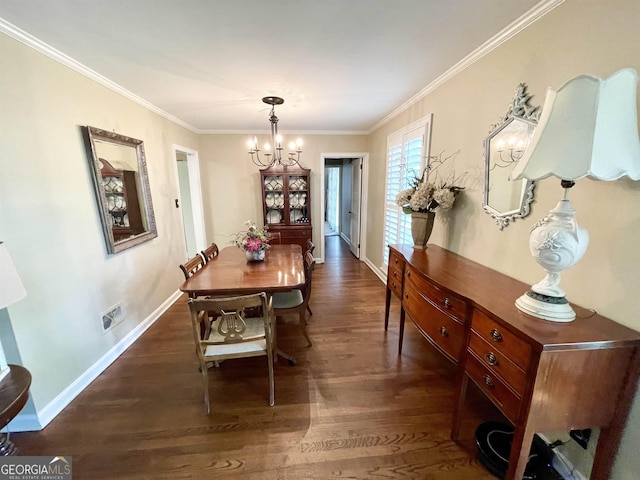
(32, 422)
(379, 273)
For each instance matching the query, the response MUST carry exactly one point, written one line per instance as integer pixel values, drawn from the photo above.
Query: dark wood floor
(351, 407)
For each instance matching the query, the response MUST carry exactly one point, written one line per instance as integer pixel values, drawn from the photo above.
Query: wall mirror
(504, 199)
(121, 183)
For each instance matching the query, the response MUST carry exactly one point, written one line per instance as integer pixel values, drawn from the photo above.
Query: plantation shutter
(406, 151)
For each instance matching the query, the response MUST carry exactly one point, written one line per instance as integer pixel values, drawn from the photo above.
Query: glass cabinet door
(298, 199)
(274, 199)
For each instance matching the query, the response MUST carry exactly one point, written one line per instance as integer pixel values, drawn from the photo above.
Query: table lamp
(588, 128)
(11, 290)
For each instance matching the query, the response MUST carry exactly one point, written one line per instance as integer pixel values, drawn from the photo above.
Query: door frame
(195, 191)
(364, 156)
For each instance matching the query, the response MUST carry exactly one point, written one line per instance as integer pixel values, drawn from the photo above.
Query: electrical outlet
(581, 437)
(111, 317)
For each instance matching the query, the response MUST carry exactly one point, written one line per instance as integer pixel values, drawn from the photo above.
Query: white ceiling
(340, 65)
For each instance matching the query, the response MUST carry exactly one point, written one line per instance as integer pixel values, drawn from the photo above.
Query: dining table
(230, 273)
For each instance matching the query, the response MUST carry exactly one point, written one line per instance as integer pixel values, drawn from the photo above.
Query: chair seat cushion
(290, 299)
(255, 327)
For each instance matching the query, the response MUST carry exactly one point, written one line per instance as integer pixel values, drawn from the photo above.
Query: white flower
(404, 196)
(425, 196)
(445, 198)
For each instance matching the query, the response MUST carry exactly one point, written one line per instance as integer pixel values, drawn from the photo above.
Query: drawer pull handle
(447, 303)
(393, 285)
(487, 380)
(443, 332)
(408, 274)
(395, 260)
(496, 335)
(395, 274)
(406, 295)
(491, 358)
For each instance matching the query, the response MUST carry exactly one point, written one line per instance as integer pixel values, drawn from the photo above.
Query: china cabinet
(286, 203)
(122, 201)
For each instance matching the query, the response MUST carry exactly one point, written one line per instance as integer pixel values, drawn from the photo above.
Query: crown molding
(38, 45)
(494, 42)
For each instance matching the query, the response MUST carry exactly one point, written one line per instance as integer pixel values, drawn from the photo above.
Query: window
(406, 153)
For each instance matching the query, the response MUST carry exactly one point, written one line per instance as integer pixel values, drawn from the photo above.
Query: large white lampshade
(11, 290)
(588, 128)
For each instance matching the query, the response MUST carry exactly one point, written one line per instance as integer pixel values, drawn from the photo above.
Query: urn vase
(421, 227)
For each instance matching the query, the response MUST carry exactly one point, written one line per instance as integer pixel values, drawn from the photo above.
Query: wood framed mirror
(121, 182)
(505, 199)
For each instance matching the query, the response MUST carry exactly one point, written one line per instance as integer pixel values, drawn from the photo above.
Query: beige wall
(580, 36)
(50, 223)
(231, 182)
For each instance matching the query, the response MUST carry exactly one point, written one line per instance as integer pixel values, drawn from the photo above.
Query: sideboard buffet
(541, 375)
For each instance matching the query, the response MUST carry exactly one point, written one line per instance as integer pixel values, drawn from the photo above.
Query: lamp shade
(11, 288)
(589, 127)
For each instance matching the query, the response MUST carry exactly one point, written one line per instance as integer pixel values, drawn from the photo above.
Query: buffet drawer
(513, 347)
(443, 299)
(395, 274)
(395, 284)
(446, 333)
(396, 260)
(493, 387)
(495, 361)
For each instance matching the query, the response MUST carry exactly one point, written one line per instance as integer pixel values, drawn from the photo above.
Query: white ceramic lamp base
(557, 242)
(555, 309)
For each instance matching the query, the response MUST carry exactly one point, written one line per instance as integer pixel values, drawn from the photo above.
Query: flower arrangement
(425, 196)
(253, 239)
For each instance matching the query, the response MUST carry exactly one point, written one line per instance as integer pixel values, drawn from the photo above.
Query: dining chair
(275, 238)
(297, 300)
(192, 265)
(210, 252)
(232, 334)
(310, 246)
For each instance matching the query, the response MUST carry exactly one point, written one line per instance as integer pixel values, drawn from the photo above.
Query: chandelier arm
(256, 160)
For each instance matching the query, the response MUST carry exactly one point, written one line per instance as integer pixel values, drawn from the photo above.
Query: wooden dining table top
(229, 273)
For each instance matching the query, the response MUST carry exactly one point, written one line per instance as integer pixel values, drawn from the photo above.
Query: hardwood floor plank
(351, 408)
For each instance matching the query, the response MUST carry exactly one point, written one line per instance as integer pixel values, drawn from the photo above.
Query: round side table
(14, 392)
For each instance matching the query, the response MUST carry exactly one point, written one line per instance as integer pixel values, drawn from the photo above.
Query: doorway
(343, 192)
(189, 200)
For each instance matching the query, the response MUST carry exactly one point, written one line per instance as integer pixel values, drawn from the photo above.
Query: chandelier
(273, 152)
(513, 151)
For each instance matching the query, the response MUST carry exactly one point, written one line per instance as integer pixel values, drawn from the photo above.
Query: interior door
(189, 200)
(356, 195)
(187, 210)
